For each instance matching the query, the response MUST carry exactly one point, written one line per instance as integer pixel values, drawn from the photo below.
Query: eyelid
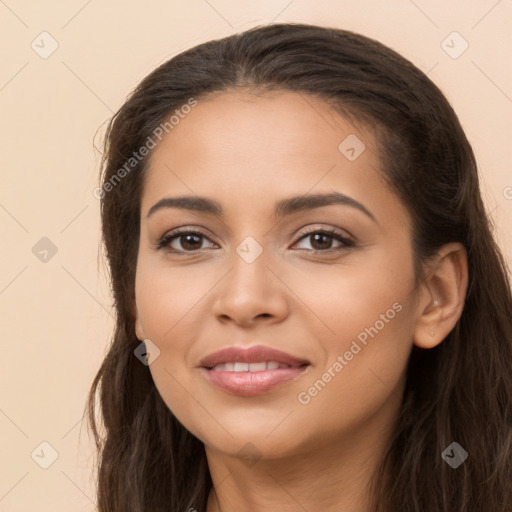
(175, 233)
(330, 230)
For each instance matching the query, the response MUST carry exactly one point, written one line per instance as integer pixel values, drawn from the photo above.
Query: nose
(250, 293)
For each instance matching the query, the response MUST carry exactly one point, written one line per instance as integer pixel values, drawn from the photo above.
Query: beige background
(56, 317)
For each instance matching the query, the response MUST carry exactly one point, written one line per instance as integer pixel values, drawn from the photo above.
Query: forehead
(277, 124)
(248, 148)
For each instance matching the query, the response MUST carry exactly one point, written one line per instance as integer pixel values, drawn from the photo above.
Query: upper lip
(255, 354)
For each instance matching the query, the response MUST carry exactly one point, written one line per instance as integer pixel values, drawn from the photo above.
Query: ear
(139, 331)
(444, 293)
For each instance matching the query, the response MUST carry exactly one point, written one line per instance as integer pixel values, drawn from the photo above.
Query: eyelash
(164, 242)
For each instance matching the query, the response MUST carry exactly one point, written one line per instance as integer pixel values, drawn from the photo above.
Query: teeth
(257, 367)
(250, 367)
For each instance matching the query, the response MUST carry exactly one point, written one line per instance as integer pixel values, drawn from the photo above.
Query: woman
(312, 313)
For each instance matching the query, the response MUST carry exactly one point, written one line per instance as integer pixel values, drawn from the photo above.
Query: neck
(328, 477)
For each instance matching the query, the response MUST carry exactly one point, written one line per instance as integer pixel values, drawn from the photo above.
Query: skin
(248, 151)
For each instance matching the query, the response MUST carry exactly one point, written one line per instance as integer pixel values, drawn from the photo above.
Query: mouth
(253, 371)
(252, 367)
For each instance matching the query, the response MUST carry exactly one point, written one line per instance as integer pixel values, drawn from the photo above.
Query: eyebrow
(283, 208)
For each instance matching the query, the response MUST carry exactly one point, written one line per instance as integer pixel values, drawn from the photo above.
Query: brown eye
(322, 240)
(182, 241)
(190, 241)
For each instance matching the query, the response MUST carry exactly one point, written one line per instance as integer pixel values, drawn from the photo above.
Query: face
(326, 278)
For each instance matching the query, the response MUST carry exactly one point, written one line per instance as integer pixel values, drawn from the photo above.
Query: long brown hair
(459, 391)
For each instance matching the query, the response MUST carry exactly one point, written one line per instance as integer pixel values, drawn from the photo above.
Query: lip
(256, 382)
(255, 354)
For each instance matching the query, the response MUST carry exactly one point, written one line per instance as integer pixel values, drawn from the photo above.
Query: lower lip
(252, 383)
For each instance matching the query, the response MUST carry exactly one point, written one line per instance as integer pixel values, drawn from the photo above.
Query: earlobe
(139, 331)
(445, 292)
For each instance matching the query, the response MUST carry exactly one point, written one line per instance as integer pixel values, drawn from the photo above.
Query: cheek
(362, 371)
(369, 313)
(367, 288)
(169, 302)
(166, 298)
